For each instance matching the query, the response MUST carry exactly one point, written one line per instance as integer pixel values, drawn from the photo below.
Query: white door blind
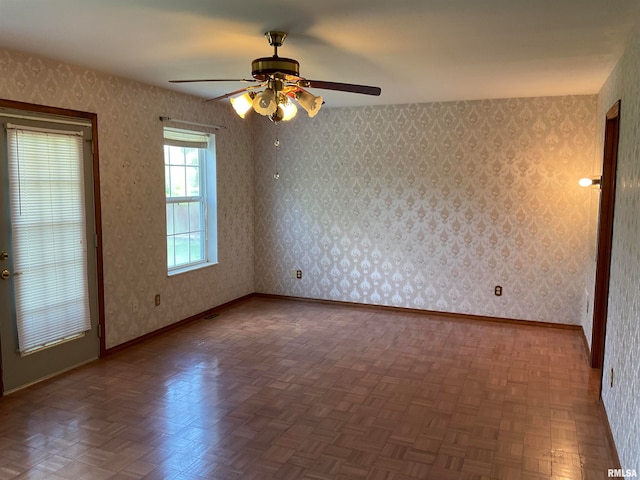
(49, 236)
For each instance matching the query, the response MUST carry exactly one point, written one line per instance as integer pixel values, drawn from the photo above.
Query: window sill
(190, 268)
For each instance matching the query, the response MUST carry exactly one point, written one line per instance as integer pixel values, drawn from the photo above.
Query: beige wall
(622, 349)
(132, 191)
(431, 206)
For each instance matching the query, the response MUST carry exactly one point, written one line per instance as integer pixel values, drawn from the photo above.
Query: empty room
(342, 240)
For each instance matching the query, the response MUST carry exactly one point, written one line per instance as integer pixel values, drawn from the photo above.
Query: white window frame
(205, 143)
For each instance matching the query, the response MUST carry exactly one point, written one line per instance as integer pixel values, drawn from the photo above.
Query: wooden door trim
(605, 235)
(93, 118)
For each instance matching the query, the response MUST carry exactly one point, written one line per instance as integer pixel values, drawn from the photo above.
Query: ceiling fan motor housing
(263, 68)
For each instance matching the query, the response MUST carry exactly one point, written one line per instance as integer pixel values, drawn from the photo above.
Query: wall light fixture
(590, 182)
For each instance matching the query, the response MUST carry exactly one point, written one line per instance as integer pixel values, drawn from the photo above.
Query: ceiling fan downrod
(276, 39)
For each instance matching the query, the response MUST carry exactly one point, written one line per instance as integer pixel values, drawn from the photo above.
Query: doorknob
(5, 274)
(4, 255)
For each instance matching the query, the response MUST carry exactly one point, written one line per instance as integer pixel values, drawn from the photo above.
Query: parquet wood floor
(276, 389)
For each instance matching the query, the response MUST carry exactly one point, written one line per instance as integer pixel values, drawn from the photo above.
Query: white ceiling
(415, 50)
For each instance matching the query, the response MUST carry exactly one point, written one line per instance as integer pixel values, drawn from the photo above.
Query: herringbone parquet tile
(286, 390)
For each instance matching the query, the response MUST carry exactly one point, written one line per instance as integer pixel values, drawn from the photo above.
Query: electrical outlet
(498, 291)
(157, 300)
(298, 274)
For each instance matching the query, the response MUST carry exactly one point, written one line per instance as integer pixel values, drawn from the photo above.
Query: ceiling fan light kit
(282, 83)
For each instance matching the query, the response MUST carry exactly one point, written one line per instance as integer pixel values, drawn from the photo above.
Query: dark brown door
(605, 235)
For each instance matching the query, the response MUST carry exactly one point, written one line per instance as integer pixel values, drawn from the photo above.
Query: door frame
(605, 237)
(93, 118)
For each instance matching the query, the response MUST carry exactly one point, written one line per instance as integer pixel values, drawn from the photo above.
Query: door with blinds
(48, 278)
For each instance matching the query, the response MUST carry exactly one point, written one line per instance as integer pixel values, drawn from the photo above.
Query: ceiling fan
(281, 83)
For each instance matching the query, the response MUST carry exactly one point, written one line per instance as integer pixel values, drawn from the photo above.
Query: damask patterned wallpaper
(430, 206)
(419, 206)
(132, 191)
(622, 349)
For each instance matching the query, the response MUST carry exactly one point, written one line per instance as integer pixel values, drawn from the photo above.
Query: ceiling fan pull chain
(276, 175)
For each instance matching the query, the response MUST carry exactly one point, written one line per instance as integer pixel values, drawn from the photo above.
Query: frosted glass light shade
(242, 104)
(265, 103)
(309, 102)
(289, 110)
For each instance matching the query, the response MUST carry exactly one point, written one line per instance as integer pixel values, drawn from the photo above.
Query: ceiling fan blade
(227, 95)
(341, 87)
(235, 92)
(215, 80)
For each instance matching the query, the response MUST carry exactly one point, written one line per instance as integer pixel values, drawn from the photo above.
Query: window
(190, 190)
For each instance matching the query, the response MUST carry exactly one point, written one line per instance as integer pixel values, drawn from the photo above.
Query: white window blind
(185, 138)
(49, 235)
